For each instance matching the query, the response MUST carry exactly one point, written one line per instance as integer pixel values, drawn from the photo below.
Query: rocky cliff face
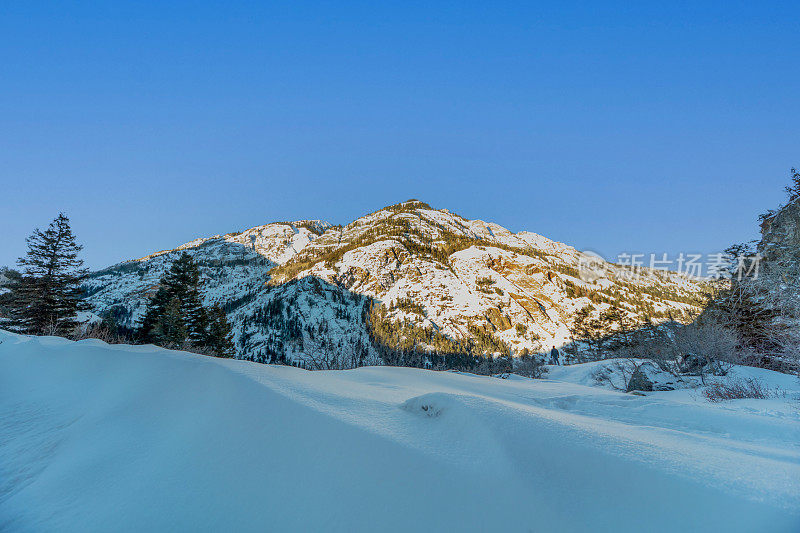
(763, 303)
(302, 289)
(780, 242)
(772, 322)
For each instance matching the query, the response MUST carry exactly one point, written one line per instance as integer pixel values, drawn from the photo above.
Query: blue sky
(647, 127)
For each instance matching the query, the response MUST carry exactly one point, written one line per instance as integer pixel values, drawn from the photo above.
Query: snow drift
(138, 438)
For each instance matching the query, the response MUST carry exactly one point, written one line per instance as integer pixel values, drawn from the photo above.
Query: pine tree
(178, 297)
(220, 336)
(585, 329)
(197, 320)
(153, 315)
(47, 296)
(171, 329)
(183, 281)
(793, 190)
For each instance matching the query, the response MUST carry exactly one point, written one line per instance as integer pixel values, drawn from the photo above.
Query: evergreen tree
(47, 295)
(793, 190)
(175, 314)
(153, 315)
(197, 320)
(220, 337)
(587, 330)
(183, 282)
(171, 329)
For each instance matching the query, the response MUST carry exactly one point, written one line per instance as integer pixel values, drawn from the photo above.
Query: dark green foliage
(154, 314)
(8, 278)
(175, 316)
(170, 329)
(112, 318)
(279, 330)
(219, 337)
(45, 298)
(613, 330)
(589, 331)
(404, 343)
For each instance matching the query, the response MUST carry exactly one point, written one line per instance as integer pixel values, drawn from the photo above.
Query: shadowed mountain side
(408, 276)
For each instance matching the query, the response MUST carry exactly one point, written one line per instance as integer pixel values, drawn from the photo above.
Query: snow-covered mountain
(408, 271)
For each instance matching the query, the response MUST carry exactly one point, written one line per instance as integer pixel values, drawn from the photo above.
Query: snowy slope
(137, 438)
(438, 259)
(523, 288)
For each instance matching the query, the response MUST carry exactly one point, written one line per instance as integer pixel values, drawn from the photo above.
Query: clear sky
(630, 126)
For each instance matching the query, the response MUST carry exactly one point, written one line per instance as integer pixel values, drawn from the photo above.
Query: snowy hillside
(287, 286)
(137, 438)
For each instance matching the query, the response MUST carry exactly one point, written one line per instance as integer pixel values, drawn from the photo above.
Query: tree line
(749, 320)
(45, 297)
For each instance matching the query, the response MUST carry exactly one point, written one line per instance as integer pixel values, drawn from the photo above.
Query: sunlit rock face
(293, 287)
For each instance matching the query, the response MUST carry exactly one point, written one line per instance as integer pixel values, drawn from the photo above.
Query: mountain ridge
(293, 288)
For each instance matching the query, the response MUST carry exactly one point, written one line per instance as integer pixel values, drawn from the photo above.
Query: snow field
(131, 438)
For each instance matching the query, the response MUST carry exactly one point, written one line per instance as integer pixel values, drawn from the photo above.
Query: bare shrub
(707, 346)
(100, 331)
(52, 329)
(616, 374)
(529, 366)
(738, 389)
(764, 308)
(324, 355)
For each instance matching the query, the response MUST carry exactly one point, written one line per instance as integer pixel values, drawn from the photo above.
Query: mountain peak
(440, 276)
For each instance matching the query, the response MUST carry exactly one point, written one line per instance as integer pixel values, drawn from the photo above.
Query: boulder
(639, 382)
(691, 364)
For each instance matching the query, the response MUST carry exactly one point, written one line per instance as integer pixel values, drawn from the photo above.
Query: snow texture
(97, 437)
